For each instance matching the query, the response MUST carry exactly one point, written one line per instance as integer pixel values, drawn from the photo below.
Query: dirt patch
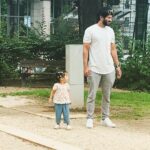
(13, 101)
(15, 89)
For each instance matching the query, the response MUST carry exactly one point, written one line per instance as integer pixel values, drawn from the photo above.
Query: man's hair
(104, 12)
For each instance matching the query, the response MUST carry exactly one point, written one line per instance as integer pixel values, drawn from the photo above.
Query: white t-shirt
(100, 39)
(61, 95)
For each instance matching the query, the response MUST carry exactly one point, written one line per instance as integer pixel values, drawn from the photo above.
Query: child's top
(61, 95)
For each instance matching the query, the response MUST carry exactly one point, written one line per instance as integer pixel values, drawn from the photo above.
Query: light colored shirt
(100, 39)
(61, 95)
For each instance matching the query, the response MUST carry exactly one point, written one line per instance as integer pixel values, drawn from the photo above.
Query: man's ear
(101, 18)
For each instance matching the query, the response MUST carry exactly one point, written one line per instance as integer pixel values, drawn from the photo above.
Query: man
(100, 62)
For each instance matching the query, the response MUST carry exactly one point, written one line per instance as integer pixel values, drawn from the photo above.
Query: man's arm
(116, 60)
(86, 47)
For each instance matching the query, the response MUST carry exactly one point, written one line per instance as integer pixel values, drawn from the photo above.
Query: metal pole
(18, 13)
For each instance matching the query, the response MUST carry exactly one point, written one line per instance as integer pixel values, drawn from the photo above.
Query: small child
(61, 99)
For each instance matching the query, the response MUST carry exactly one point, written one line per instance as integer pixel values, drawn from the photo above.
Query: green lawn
(124, 105)
(127, 105)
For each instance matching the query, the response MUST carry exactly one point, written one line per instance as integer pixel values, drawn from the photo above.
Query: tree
(60, 6)
(140, 28)
(57, 8)
(87, 11)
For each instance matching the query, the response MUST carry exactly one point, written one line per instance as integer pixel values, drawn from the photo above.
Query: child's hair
(59, 75)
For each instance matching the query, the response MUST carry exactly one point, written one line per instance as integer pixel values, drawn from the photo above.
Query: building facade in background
(125, 13)
(20, 15)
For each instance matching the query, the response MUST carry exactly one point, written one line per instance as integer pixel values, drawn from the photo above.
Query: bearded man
(101, 64)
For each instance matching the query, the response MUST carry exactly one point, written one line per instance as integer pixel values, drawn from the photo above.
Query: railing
(31, 80)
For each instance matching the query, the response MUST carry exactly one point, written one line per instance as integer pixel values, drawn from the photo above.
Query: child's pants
(62, 109)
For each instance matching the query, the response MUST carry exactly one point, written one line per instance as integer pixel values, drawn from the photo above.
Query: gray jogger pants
(106, 81)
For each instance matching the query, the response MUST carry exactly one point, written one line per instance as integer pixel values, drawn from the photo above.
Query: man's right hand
(87, 71)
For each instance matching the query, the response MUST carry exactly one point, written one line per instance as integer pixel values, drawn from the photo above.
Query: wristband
(117, 66)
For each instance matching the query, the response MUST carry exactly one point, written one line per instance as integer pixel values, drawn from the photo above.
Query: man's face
(107, 20)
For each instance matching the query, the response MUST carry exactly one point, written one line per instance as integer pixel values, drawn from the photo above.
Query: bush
(37, 44)
(136, 72)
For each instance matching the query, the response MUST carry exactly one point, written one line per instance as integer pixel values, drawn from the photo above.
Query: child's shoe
(68, 127)
(57, 126)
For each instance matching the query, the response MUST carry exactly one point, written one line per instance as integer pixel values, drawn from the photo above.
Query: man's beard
(106, 23)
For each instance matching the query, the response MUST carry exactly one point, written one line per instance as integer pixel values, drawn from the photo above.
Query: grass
(124, 105)
(127, 105)
(40, 94)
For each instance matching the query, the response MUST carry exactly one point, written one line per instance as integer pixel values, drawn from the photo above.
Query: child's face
(65, 78)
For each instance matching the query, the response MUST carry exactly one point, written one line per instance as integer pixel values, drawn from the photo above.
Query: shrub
(136, 72)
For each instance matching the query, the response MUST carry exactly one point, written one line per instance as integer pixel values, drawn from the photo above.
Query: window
(15, 14)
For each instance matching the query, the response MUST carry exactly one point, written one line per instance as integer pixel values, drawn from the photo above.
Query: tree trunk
(140, 27)
(87, 13)
(57, 8)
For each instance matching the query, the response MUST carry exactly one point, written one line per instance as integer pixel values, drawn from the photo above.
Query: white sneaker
(89, 123)
(108, 123)
(68, 127)
(57, 126)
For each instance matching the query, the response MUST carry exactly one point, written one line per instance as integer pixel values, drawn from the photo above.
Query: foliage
(66, 32)
(35, 45)
(136, 72)
(119, 39)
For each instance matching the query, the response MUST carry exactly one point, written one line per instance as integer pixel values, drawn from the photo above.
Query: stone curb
(40, 140)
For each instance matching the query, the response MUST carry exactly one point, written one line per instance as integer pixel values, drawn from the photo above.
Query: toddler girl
(61, 99)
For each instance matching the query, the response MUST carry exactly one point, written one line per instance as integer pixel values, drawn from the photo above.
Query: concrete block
(74, 67)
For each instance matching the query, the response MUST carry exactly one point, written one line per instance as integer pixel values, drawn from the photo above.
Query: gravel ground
(129, 135)
(9, 142)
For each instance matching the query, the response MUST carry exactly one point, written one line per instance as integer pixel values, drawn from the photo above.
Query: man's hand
(118, 72)
(87, 71)
(86, 47)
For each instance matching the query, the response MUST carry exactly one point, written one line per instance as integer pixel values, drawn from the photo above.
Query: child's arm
(51, 96)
